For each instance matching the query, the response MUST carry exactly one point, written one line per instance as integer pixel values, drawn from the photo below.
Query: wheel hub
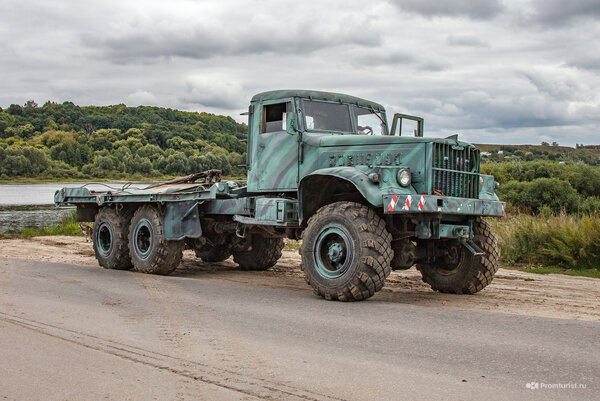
(333, 252)
(143, 239)
(336, 252)
(105, 238)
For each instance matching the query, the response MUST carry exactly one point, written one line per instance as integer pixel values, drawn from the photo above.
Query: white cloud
(214, 93)
(141, 98)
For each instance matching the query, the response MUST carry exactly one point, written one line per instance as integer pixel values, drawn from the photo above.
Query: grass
(595, 273)
(292, 245)
(553, 241)
(68, 226)
(581, 272)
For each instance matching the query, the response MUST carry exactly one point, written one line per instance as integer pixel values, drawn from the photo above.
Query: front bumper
(442, 205)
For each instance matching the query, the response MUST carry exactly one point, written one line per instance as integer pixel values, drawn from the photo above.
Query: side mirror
(291, 123)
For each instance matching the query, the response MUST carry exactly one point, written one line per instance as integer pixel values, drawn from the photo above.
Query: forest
(66, 141)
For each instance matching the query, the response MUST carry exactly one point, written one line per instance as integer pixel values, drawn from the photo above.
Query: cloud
(141, 98)
(558, 12)
(591, 63)
(466, 40)
(376, 57)
(560, 87)
(482, 9)
(210, 92)
(159, 36)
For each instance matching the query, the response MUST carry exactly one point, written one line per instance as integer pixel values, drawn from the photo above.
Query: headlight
(404, 177)
(480, 183)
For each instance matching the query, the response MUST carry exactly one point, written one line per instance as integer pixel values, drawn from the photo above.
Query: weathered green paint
(397, 124)
(182, 220)
(455, 231)
(487, 188)
(290, 153)
(277, 210)
(314, 95)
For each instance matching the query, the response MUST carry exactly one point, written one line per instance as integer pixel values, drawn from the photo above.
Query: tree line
(543, 186)
(58, 141)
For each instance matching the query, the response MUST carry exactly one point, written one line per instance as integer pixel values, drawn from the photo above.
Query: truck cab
(300, 141)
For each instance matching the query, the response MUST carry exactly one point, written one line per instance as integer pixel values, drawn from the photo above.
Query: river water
(32, 205)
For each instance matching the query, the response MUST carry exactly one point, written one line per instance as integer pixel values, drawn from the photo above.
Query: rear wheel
(260, 253)
(404, 254)
(150, 252)
(459, 271)
(213, 254)
(346, 252)
(219, 249)
(109, 238)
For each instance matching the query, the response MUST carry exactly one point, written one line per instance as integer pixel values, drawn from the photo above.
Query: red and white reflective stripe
(421, 203)
(407, 203)
(393, 203)
(502, 208)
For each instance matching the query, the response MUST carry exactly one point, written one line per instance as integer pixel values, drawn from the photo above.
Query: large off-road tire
(150, 252)
(260, 254)
(462, 272)
(346, 252)
(109, 238)
(217, 249)
(213, 254)
(405, 254)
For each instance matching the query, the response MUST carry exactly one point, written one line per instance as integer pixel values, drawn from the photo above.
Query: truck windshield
(369, 122)
(324, 116)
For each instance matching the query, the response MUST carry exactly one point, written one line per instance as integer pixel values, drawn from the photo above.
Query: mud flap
(182, 220)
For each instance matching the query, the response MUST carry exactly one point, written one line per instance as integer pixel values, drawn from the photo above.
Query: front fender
(358, 176)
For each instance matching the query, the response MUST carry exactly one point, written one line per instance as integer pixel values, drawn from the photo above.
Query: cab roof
(316, 95)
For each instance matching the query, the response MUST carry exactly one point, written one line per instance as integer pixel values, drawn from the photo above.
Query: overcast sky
(496, 71)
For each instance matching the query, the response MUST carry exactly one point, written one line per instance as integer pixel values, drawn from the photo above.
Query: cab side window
(274, 117)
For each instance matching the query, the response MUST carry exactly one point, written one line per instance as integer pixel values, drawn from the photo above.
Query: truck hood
(329, 140)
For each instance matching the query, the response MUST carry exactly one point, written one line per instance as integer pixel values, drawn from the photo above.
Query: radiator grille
(455, 171)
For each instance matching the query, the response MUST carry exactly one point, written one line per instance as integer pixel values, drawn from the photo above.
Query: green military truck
(325, 168)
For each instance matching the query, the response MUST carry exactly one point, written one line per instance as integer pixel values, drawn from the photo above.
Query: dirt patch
(512, 292)
(60, 249)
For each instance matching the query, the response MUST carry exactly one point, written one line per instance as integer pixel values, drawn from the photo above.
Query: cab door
(276, 164)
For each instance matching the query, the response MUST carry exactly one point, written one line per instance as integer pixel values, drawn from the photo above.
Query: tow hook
(463, 236)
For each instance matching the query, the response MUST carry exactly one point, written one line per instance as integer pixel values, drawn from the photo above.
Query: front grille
(455, 171)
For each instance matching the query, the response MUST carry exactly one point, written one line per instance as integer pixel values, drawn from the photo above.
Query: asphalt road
(75, 332)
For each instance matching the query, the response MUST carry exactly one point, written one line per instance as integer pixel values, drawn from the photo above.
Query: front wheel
(459, 271)
(150, 252)
(346, 252)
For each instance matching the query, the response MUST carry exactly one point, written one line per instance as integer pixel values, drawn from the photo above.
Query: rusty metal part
(207, 176)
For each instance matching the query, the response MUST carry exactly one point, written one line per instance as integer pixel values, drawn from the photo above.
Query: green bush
(553, 193)
(550, 240)
(68, 226)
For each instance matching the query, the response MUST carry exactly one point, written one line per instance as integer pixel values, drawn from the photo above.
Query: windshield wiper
(378, 116)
